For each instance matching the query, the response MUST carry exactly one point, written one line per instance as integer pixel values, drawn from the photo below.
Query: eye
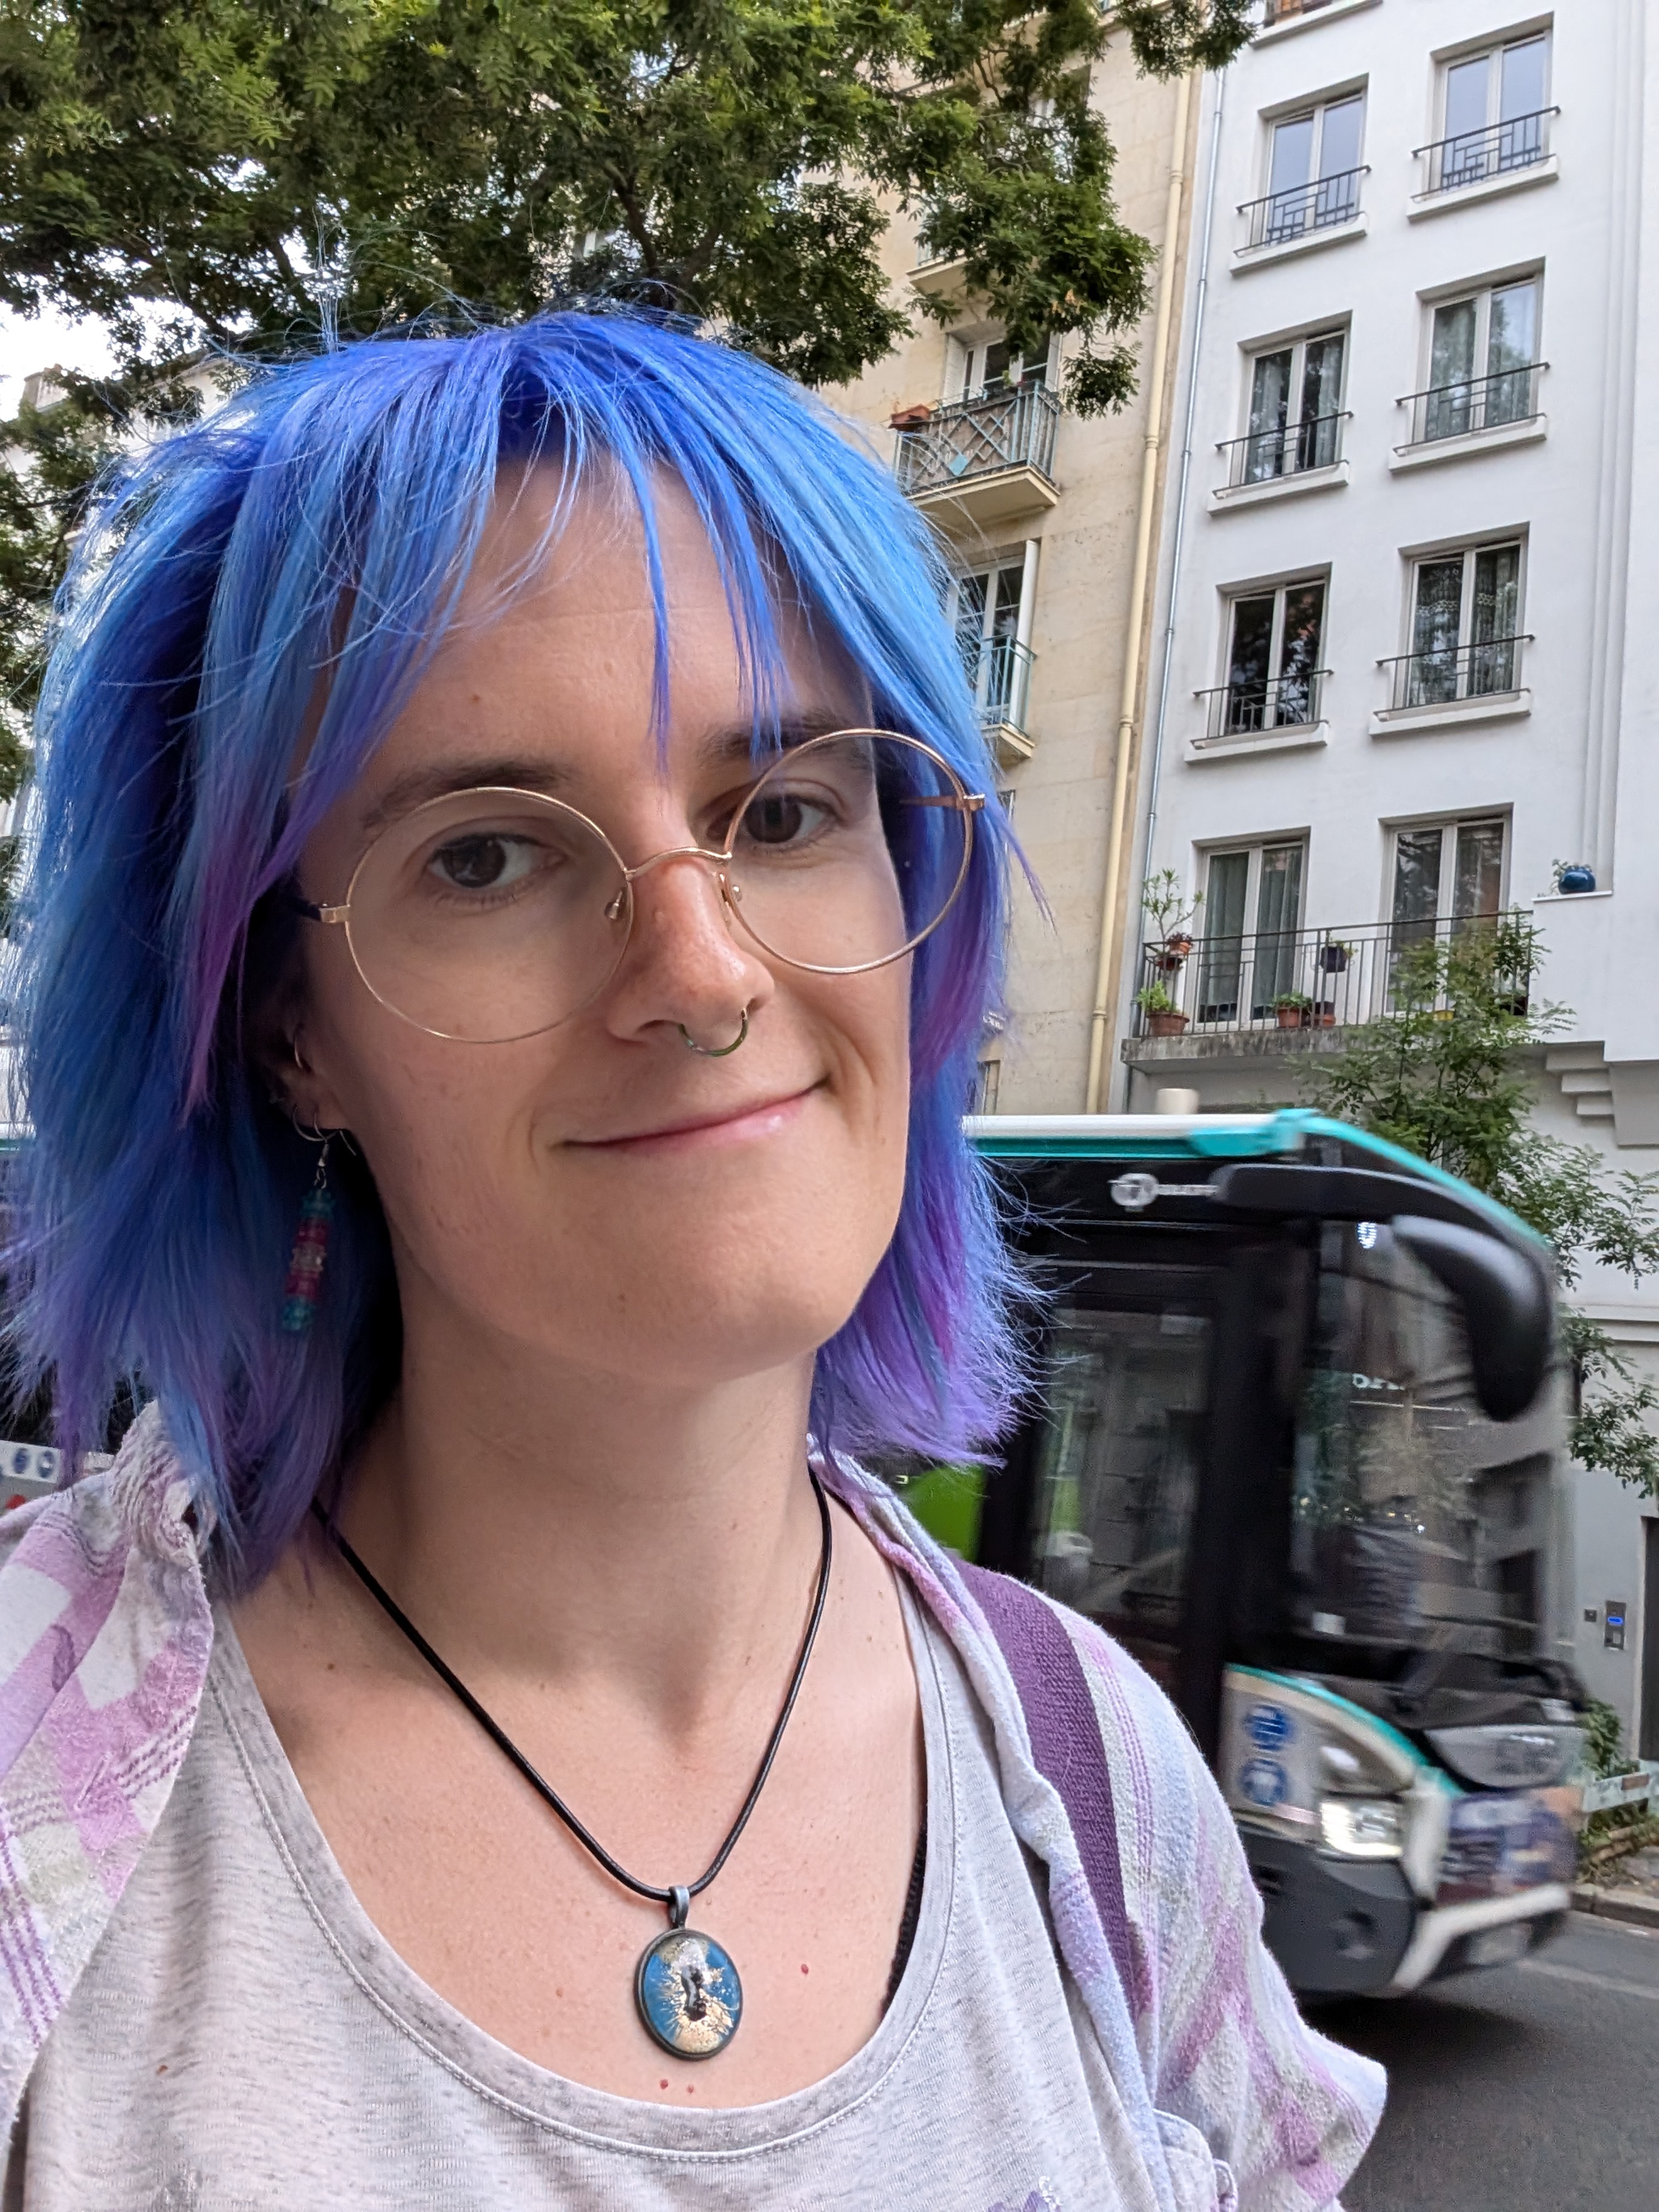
(486, 860)
(778, 819)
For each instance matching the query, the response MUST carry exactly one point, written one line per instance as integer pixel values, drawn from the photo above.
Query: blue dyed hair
(310, 538)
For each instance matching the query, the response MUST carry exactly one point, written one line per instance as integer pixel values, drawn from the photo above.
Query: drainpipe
(1110, 952)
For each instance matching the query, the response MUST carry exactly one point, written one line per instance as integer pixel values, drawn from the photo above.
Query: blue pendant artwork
(688, 1994)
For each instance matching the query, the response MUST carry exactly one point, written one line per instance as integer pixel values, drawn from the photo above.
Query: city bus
(1296, 1440)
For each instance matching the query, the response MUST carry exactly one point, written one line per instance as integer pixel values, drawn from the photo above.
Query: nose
(685, 969)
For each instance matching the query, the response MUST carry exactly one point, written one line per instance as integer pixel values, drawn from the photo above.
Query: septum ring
(716, 1051)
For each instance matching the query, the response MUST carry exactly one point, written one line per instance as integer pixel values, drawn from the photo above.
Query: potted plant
(1164, 1018)
(1573, 878)
(1334, 955)
(1170, 912)
(1293, 1008)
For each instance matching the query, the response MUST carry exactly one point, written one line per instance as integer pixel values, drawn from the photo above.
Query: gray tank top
(244, 2040)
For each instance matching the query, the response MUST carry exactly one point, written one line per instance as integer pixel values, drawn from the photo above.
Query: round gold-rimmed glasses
(492, 914)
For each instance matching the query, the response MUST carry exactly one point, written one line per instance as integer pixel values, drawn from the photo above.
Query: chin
(706, 1328)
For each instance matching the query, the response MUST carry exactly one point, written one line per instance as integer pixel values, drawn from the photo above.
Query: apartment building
(1043, 514)
(1403, 668)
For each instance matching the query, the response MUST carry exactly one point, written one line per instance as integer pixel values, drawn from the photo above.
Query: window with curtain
(1252, 913)
(1273, 658)
(1295, 408)
(1483, 361)
(1466, 625)
(1446, 875)
(988, 611)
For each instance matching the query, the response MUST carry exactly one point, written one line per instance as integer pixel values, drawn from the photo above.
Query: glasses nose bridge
(719, 862)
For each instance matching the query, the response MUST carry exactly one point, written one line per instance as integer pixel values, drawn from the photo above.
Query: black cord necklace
(686, 1985)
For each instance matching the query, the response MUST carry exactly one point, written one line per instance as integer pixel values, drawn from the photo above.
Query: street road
(1529, 2088)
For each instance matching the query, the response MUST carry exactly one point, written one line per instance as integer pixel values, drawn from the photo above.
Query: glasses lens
(849, 850)
(489, 915)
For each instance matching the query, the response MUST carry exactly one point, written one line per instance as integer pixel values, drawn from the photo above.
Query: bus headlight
(1517, 1756)
(1362, 1827)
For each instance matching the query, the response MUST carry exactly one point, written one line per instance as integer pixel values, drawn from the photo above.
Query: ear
(277, 1050)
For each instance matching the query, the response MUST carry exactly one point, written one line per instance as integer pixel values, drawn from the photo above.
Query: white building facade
(1405, 650)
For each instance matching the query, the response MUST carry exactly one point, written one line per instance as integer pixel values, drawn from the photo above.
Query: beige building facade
(1050, 525)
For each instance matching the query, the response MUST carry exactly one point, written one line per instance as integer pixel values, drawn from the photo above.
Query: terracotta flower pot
(1291, 1018)
(1163, 1025)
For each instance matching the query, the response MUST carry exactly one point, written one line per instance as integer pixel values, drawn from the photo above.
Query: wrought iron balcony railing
(1000, 674)
(1270, 980)
(1477, 403)
(1488, 669)
(1473, 155)
(1264, 455)
(1282, 216)
(1011, 429)
(1283, 703)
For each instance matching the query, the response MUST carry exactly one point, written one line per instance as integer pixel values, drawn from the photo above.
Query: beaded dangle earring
(304, 1285)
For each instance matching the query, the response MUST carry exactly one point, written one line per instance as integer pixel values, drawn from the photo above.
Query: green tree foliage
(1440, 1073)
(738, 156)
(254, 174)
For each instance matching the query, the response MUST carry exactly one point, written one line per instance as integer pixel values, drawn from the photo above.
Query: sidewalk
(1629, 1890)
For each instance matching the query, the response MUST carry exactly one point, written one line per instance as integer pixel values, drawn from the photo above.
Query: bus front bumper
(1487, 1931)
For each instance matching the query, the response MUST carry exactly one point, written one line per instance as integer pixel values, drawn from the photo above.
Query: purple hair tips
(324, 519)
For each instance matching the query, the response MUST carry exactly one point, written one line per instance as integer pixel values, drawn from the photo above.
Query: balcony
(1455, 675)
(1272, 457)
(1502, 152)
(980, 463)
(1288, 704)
(1303, 213)
(1278, 991)
(1000, 674)
(1478, 411)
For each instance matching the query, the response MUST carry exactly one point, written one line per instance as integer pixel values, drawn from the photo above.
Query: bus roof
(1290, 1129)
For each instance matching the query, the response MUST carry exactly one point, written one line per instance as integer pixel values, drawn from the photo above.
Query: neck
(556, 1526)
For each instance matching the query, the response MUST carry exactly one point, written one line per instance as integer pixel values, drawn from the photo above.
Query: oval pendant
(688, 1994)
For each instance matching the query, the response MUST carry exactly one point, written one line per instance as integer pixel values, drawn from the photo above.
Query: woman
(514, 914)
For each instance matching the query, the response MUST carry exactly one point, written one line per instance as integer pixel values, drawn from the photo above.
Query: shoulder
(1223, 2043)
(105, 1636)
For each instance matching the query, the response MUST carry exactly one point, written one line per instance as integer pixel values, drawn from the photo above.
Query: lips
(724, 1125)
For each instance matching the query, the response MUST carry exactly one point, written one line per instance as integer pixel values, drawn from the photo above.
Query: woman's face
(601, 1193)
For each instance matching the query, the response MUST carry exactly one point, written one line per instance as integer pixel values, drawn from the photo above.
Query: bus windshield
(1414, 1521)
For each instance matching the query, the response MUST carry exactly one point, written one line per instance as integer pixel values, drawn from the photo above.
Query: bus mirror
(1506, 1309)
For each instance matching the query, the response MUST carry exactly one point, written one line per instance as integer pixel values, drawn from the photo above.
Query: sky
(44, 341)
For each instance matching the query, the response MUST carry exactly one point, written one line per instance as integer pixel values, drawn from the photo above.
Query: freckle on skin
(663, 2084)
(807, 1970)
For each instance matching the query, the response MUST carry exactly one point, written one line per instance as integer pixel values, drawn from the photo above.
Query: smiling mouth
(736, 1124)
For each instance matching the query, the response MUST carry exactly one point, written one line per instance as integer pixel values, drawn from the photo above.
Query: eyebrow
(729, 741)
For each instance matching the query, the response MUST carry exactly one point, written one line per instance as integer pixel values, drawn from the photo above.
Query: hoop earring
(304, 1285)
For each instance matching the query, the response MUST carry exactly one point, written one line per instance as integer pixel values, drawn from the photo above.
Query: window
(1483, 363)
(991, 635)
(1446, 873)
(983, 368)
(1272, 660)
(1295, 419)
(1313, 171)
(1466, 625)
(1252, 911)
(1493, 118)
